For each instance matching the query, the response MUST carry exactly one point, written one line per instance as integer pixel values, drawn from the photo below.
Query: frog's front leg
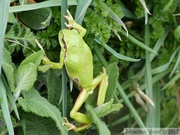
(102, 81)
(72, 24)
(54, 65)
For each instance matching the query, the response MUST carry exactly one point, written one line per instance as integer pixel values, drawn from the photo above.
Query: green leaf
(36, 19)
(37, 104)
(25, 78)
(34, 58)
(177, 33)
(113, 73)
(107, 108)
(35, 125)
(101, 126)
(54, 86)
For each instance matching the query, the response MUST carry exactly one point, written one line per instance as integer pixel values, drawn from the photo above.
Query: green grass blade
(158, 44)
(5, 108)
(148, 80)
(4, 6)
(165, 66)
(138, 43)
(130, 106)
(176, 65)
(11, 98)
(100, 56)
(81, 10)
(173, 80)
(64, 8)
(119, 56)
(157, 102)
(49, 3)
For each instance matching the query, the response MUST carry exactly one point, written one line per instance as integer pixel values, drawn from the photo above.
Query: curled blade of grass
(145, 7)
(111, 14)
(119, 56)
(146, 10)
(144, 96)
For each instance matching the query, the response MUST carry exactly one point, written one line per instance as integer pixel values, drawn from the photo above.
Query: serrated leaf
(25, 78)
(113, 73)
(35, 125)
(16, 35)
(37, 104)
(34, 58)
(54, 86)
(101, 126)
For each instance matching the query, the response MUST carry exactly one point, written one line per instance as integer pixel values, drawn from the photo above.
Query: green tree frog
(77, 57)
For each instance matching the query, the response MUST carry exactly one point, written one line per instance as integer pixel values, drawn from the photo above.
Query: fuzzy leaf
(35, 125)
(54, 86)
(37, 104)
(113, 73)
(101, 126)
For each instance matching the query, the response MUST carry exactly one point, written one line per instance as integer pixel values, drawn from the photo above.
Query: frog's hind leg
(85, 121)
(77, 116)
(102, 81)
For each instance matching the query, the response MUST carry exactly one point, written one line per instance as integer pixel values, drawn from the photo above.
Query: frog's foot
(70, 20)
(73, 127)
(68, 124)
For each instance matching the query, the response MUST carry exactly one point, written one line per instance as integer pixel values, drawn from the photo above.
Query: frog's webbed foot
(70, 20)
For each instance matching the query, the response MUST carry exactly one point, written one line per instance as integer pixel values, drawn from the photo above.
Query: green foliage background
(140, 52)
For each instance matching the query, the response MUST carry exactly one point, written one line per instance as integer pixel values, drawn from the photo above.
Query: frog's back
(78, 61)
